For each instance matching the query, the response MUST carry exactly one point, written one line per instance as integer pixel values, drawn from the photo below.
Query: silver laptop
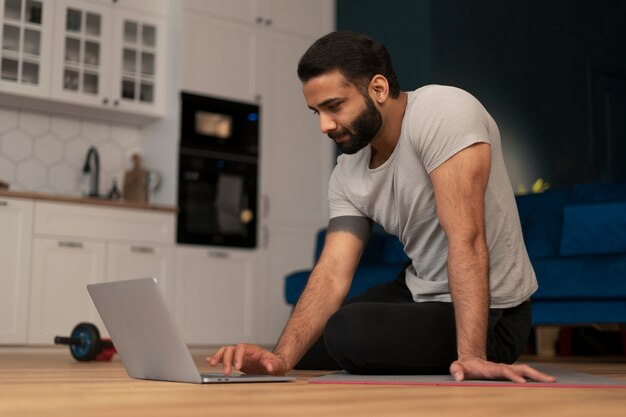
(147, 337)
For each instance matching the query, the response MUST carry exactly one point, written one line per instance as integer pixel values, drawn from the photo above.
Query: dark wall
(537, 66)
(404, 26)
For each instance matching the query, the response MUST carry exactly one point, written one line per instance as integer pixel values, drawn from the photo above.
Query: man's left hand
(477, 368)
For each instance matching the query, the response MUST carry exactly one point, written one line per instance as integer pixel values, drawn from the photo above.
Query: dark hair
(358, 57)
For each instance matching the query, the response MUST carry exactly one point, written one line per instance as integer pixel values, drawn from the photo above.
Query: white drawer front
(60, 219)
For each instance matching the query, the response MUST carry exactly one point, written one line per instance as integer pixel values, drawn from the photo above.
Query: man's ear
(379, 89)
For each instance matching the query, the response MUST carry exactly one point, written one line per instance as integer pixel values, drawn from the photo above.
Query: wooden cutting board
(135, 182)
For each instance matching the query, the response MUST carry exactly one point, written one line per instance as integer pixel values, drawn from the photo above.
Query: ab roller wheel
(86, 345)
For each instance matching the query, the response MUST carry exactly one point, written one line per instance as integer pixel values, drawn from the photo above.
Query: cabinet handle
(266, 236)
(220, 255)
(3, 203)
(77, 245)
(266, 206)
(268, 22)
(116, 103)
(142, 249)
(259, 20)
(105, 101)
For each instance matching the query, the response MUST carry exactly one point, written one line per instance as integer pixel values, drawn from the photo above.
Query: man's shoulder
(440, 93)
(442, 102)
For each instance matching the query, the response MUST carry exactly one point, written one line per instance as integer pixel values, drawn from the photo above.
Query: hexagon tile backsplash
(44, 152)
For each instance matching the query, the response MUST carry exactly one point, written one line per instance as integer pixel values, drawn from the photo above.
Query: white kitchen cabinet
(299, 17)
(157, 8)
(78, 244)
(216, 295)
(220, 58)
(59, 299)
(83, 56)
(296, 165)
(138, 77)
(63, 267)
(15, 258)
(109, 58)
(26, 39)
(289, 249)
(104, 223)
(297, 158)
(245, 11)
(140, 260)
(226, 53)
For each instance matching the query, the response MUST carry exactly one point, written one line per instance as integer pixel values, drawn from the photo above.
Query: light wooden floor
(48, 382)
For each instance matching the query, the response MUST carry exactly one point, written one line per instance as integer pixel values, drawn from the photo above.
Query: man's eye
(334, 107)
(316, 112)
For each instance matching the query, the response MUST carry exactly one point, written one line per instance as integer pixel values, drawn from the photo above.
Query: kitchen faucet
(94, 172)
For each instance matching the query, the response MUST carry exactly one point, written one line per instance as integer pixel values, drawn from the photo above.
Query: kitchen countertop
(86, 200)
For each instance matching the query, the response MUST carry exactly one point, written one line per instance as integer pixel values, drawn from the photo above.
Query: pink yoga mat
(565, 379)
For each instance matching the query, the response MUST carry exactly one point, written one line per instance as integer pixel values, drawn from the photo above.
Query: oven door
(217, 200)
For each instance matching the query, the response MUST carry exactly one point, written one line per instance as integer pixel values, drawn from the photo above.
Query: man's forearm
(468, 274)
(322, 297)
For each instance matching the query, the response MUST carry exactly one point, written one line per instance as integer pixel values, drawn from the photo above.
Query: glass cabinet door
(137, 59)
(82, 37)
(138, 62)
(24, 56)
(82, 51)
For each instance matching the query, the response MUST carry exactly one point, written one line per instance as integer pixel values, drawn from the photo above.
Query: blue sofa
(383, 258)
(576, 240)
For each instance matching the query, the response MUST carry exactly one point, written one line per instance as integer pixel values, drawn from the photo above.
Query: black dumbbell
(86, 345)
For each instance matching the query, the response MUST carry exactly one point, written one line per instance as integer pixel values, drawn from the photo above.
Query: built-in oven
(218, 172)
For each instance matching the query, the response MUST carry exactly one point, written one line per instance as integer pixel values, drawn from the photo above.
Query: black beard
(362, 130)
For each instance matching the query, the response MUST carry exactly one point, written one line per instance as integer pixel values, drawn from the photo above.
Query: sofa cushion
(598, 192)
(394, 251)
(382, 259)
(374, 251)
(541, 217)
(572, 312)
(581, 277)
(594, 228)
(294, 285)
(366, 276)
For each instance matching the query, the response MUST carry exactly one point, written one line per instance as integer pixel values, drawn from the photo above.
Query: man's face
(346, 115)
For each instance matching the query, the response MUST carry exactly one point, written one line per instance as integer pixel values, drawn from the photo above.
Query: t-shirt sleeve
(338, 202)
(447, 121)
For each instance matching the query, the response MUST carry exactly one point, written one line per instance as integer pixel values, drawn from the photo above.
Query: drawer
(111, 223)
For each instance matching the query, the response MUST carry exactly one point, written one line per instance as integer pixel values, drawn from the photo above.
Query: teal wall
(545, 70)
(403, 26)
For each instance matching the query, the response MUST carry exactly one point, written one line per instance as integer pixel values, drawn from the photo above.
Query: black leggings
(383, 331)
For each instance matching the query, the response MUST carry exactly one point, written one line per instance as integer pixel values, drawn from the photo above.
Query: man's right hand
(249, 359)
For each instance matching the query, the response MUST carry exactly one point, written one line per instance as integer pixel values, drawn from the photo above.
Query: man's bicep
(459, 185)
(359, 226)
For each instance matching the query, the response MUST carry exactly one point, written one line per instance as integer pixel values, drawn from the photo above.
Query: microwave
(219, 125)
(218, 172)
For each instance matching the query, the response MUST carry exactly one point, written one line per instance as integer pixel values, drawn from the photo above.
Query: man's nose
(327, 124)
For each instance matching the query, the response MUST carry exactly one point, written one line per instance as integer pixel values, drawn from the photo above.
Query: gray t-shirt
(438, 122)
